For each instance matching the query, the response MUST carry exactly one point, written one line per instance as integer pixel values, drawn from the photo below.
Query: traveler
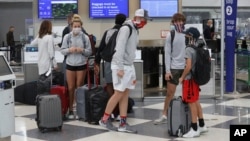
(123, 71)
(174, 62)
(191, 89)
(76, 46)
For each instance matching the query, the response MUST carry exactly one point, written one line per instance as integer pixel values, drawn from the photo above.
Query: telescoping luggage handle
(95, 76)
(50, 71)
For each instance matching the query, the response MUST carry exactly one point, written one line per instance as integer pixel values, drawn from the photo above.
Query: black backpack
(109, 50)
(201, 74)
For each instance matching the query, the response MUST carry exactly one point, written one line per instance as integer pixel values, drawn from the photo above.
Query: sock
(194, 126)
(123, 120)
(201, 122)
(105, 117)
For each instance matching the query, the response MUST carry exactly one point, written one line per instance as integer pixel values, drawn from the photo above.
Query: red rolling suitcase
(63, 94)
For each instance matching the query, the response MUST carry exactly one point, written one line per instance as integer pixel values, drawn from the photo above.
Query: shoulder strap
(130, 29)
(172, 33)
(83, 40)
(68, 38)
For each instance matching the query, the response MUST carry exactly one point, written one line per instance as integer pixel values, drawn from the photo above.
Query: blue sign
(230, 39)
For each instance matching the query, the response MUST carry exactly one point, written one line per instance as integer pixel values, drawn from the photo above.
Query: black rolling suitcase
(91, 100)
(179, 117)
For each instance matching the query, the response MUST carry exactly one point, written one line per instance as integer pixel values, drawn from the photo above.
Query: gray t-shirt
(190, 53)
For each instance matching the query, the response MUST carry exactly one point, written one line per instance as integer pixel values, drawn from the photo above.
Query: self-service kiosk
(7, 103)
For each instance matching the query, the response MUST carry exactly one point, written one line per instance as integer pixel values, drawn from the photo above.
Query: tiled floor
(219, 114)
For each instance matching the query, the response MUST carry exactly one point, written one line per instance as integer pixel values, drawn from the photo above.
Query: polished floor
(219, 113)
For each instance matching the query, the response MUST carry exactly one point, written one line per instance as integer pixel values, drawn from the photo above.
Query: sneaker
(108, 125)
(191, 133)
(126, 128)
(118, 118)
(77, 117)
(203, 129)
(13, 63)
(71, 115)
(161, 120)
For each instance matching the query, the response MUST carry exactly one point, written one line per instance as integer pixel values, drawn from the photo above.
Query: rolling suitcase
(91, 101)
(49, 112)
(63, 94)
(49, 107)
(179, 117)
(97, 99)
(80, 103)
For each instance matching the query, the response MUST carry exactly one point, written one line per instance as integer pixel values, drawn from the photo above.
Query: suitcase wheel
(179, 133)
(59, 128)
(41, 129)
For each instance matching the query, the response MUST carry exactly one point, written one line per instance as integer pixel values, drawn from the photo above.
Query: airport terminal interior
(221, 108)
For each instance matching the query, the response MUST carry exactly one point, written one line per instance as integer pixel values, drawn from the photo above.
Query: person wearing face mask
(76, 46)
(207, 30)
(197, 121)
(174, 62)
(123, 71)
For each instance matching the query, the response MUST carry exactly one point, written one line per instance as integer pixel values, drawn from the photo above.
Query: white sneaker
(13, 63)
(191, 133)
(71, 115)
(161, 120)
(203, 129)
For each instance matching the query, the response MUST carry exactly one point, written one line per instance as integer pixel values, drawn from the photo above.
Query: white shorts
(127, 81)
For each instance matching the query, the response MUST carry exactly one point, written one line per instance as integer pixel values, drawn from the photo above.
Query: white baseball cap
(142, 13)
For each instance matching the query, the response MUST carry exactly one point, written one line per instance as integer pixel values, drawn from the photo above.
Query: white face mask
(76, 30)
(172, 27)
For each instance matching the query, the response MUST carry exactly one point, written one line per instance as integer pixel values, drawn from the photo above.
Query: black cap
(193, 32)
(120, 18)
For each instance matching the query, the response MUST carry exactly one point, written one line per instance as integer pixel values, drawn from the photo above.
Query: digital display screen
(160, 8)
(107, 8)
(56, 9)
(4, 67)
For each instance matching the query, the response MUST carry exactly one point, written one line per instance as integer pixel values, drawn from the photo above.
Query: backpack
(109, 50)
(172, 34)
(92, 39)
(201, 74)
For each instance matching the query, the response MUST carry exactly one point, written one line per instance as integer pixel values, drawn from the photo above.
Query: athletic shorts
(76, 68)
(127, 81)
(190, 91)
(176, 74)
(107, 72)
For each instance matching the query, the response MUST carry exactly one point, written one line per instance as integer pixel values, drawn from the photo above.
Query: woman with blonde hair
(76, 46)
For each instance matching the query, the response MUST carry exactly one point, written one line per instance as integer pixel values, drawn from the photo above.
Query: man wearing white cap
(123, 71)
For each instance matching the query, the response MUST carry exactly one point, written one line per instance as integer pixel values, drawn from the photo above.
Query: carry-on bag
(49, 109)
(91, 101)
(62, 92)
(49, 112)
(26, 93)
(179, 117)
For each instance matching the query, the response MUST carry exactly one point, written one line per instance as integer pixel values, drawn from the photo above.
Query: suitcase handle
(95, 76)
